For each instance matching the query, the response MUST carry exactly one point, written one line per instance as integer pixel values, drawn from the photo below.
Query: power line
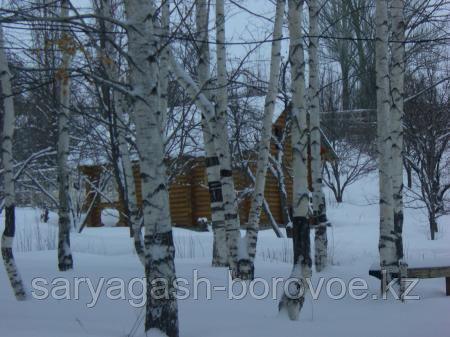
(325, 37)
(213, 42)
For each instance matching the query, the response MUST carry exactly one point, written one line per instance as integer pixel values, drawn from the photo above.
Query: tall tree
(336, 21)
(143, 45)
(164, 63)
(8, 175)
(211, 159)
(230, 203)
(397, 97)
(129, 182)
(387, 248)
(222, 150)
(292, 301)
(427, 121)
(215, 116)
(65, 260)
(318, 198)
(246, 264)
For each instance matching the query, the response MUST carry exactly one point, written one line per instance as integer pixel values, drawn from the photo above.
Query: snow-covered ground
(353, 247)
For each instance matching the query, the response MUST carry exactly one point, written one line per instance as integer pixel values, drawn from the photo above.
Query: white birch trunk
(387, 239)
(230, 204)
(397, 95)
(266, 209)
(299, 136)
(164, 63)
(161, 310)
(129, 180)
(276, 166)
(246, 263)
(318, 198)
(65, 260)
(211, 159)
(220, 140)
(8, 175)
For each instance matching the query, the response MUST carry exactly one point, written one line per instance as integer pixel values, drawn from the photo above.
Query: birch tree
(427, 121)
(65, 261)
(276, 161)
(230, 203)
(8, 175)
(246, 263)
(318, 198)
(161, 309)
(134, 218)
(214, 115)
(293, 298)
(387, 234)
(164, 62)
(211, 159)
(397, 97)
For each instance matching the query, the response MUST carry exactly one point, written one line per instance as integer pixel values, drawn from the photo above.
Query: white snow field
(107, 253)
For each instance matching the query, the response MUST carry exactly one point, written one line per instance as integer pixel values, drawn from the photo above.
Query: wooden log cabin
(188, 191)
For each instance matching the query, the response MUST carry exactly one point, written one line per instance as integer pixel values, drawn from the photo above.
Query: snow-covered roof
(257, 102)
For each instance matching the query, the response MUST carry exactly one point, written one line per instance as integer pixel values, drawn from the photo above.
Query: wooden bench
(420, 272)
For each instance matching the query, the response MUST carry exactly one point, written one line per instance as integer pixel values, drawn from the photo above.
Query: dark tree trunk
(433, 225)
(345, 88)
(408, 170)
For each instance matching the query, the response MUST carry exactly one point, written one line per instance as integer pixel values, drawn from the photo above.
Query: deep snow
(353, 241)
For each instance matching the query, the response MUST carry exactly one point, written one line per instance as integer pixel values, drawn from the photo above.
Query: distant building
(188, 191)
